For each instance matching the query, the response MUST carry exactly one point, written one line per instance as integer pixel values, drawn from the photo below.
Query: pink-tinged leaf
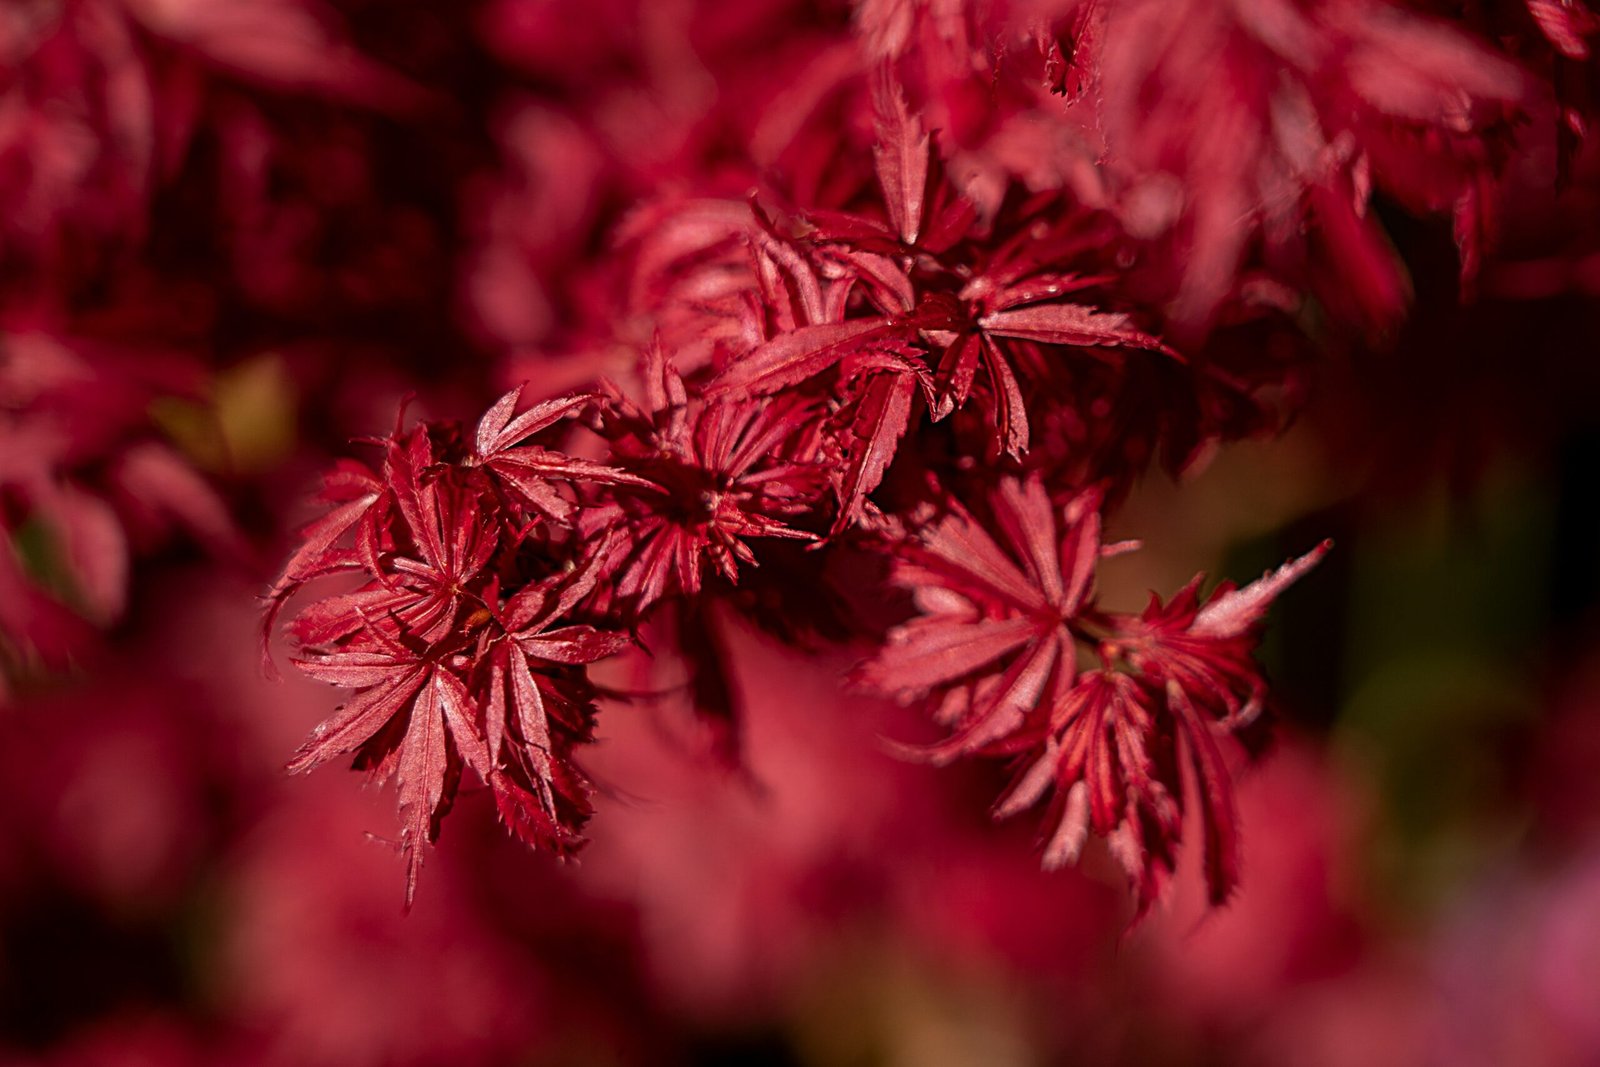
(1005, 708)
(533, 723)
(1042, 287)
(664, 234)
(406, 467)
(536, 606)
(1010, 412)
(1081, 549)
(791, 358)
(334, 618)
(1145, 872)
(879, 424)
(1068, 324)
(901, 155)
(928, 652)
(573, 644)
(497, 430)
(1072, 830)
(495, 419)
(371, 530)
(855, 231)
(357, 722)
(528, 818)
(318, 540)
(420, 777)
(1370, 269)
(1421, 70)
(494, 715)
(886, 26)
(457, 704)
(351, 669)
(883, 276)
(937, 600)
(531, 487)
(665, 557)
(963, 554)
(793, 272)
(1235, 612)
(957, 368)
(733, 438)
(348, 480)
(545, 463)
(1023, 511)
(664, 388)
(1219, 818)
(1107, 788)
(582, 581)
(287, 44)
(950, 218)
(1031, 785)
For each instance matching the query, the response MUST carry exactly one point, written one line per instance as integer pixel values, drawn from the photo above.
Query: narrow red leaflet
(1068, 324)
(420, 778)
(499, 430)
(1230, 613)
(901, 155)
(386, 685)
(857, 342)
(882, 416)
(793, 357)
(992, 656)
(1215, 795)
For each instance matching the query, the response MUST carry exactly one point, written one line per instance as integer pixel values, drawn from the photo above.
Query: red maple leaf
(708, 474)
(993, 651)
(994, 637)
(460, 646)
(411, 717)
(531, 472)
(538, 707)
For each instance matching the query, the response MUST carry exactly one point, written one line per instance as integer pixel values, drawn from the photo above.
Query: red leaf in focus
(713, 473)
(1215, 790)
(881, 418)
(1068, 324)
(994, 631)
(901, 155)
(529, 470)
(1231, 612)
(791, 358)
(420, 779)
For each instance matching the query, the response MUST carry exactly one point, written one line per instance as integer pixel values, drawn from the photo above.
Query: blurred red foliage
(830, 339)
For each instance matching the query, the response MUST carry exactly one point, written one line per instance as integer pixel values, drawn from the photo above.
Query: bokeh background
(236, 236)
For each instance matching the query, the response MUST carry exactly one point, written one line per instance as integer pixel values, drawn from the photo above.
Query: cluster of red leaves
(995, 653)
(460, 642)
(882, 274)
(838, 366)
